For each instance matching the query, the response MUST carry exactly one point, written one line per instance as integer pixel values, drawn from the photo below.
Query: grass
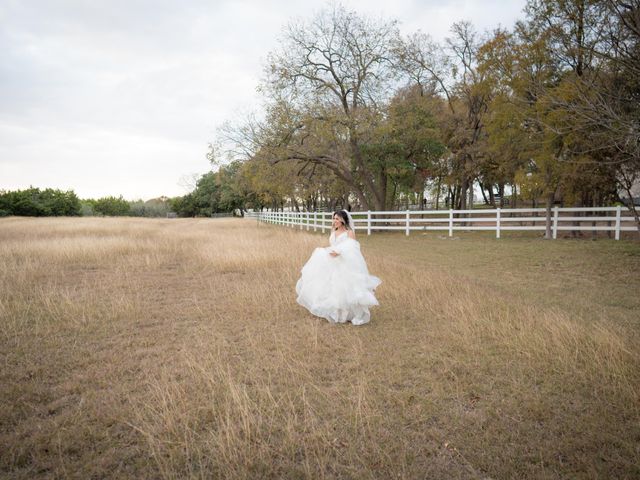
(175, 349)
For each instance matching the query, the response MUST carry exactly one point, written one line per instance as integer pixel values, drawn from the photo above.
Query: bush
(86, 208)
(111, 206)
(156, 207)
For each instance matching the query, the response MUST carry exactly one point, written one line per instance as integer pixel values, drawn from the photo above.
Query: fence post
(308, 217)
(407, 227)
(322, 217)
(315, 221)
(368, 222)
(618, 214)
(498, 222)
(451, 222)
(555, 222)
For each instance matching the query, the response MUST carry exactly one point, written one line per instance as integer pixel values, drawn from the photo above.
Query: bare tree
(329, 83)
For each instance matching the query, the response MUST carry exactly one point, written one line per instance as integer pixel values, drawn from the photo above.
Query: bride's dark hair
(343, 216)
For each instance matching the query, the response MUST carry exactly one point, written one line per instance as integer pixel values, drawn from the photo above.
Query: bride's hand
(333, 254)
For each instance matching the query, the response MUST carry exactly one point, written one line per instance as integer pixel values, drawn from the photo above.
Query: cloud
(122, 97)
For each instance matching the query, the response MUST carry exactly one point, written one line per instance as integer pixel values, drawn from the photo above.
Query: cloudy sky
(121, 97)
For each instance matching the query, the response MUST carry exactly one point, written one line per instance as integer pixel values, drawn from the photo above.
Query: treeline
(545, 113)
(34, 202)
(119, 207)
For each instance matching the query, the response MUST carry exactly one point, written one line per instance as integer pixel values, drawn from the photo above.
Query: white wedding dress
(339, 288)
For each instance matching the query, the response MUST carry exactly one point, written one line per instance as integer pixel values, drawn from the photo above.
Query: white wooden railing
(608, 219)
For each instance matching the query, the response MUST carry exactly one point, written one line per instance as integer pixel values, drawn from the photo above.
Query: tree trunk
(463, 193)
(381, 196)
(380, 193)
(576, 233)
(492, 197)
(548, 234)
(594, 233)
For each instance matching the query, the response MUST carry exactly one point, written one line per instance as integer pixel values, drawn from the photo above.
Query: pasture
(135, 348)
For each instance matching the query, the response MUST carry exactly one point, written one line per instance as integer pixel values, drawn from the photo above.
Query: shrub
(111, 206)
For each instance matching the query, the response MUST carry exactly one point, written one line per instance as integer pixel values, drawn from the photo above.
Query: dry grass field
(136, 348)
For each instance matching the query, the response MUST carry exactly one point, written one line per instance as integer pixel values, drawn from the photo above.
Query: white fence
(590, 219)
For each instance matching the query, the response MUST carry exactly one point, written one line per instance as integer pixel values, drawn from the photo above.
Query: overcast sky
(121, 97)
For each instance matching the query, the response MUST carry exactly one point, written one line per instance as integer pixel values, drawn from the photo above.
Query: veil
(350, 219)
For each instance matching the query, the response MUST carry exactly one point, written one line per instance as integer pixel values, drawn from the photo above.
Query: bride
(335, 282)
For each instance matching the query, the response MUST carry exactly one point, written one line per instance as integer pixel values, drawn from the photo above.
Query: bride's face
(337, 221)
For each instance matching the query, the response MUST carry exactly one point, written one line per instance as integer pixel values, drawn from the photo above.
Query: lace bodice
(333, 240)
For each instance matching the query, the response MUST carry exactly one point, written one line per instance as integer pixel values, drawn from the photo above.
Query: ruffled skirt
(340, 288)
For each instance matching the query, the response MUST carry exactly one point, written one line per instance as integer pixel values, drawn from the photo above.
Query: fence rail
(599, 219)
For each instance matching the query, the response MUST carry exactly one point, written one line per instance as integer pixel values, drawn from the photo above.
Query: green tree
(203, 201)
(453, 72)
(233, 194)
(111, 206)
(408, 145)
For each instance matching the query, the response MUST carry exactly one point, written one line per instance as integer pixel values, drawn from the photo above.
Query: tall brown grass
(175, 349)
